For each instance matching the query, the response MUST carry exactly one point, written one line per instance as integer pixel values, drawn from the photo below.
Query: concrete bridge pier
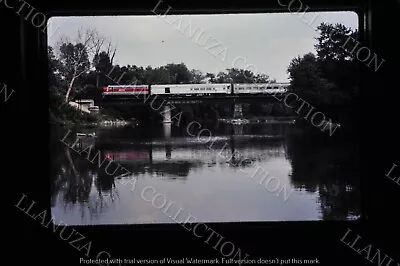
(238, 111)
(167, 136)
(238, 130)
(167, 114)
(167, 131)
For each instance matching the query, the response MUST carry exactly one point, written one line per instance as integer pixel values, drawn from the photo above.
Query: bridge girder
(156, 100)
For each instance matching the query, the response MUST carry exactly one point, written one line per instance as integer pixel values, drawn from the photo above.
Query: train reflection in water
(207, 180)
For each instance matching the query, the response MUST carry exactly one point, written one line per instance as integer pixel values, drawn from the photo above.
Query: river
(215, 173)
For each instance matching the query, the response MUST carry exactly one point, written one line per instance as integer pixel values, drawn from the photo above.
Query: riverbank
(67, 116)
(260, 120)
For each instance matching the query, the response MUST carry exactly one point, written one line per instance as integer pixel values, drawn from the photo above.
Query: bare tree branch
(109, 48)
(88, 42)
(113, 55)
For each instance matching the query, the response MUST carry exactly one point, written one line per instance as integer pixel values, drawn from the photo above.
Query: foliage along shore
(64, 115)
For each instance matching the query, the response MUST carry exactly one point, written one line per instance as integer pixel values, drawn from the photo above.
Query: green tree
(329, 80)
(211, 77)
(307, 82)
(197, 76)
(331, 77)
(55, 78)
(330, 41)
(56, 81)
(75, 61)
(102, 64)
(179, 73)
(223, 77)
(147, 75)
(241, 75)
(161, 75)
(336, 63)
(263, 78)
(75, 55)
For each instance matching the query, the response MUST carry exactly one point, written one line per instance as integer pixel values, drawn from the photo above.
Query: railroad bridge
(168, 101)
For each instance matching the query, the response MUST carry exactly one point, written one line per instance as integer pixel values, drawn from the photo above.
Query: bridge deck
(141, 99)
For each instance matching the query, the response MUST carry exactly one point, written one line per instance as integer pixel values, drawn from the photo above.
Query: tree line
(329, 80)
(81, 68)
(331, 76)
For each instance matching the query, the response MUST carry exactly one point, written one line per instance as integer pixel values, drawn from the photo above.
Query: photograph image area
(204, 118)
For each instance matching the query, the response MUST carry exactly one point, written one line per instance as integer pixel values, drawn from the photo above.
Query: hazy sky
(268, 42)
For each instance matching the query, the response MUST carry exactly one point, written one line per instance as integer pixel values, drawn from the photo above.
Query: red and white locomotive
(125, 89)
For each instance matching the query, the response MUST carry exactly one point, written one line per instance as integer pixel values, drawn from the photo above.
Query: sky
(264, 43)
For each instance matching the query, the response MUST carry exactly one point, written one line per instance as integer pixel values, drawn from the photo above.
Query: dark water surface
(239, 173)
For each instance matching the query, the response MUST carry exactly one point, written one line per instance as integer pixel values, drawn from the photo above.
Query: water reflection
(209, 175)
(332, 170)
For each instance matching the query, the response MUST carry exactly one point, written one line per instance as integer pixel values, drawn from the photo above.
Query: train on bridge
(197, 89)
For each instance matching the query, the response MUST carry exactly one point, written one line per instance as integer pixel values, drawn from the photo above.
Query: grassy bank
(65, 115)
